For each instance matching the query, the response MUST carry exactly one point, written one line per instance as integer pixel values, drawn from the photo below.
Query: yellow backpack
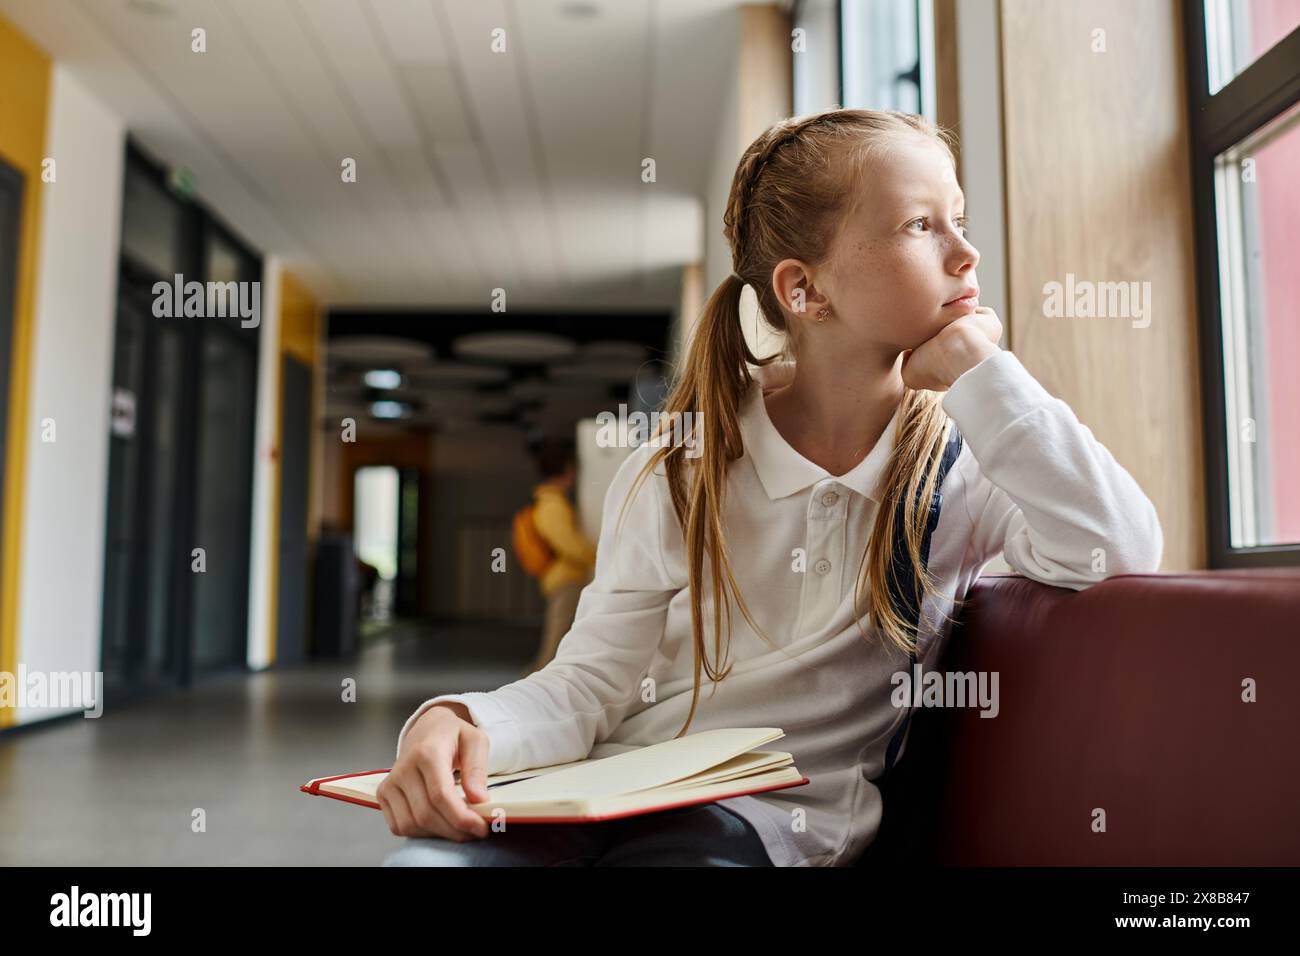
(531, 550)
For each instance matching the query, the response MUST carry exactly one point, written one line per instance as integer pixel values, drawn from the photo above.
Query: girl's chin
(932, 328)
(949, 314)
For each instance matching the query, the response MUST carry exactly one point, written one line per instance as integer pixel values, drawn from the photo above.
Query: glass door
(223, 494)
(142, 556)
(181, 450)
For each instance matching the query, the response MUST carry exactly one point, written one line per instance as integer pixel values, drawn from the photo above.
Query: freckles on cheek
(871, 256)
(891, 266)
(867, 249)
(911, 269)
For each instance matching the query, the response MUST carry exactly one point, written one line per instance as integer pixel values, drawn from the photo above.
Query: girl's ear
(792, 282)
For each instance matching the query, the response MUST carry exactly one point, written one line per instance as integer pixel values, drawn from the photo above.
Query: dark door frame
(293, 580)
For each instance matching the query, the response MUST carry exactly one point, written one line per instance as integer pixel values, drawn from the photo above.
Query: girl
(892, 427)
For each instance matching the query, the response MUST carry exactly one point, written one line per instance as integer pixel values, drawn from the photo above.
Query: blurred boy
(575, 554)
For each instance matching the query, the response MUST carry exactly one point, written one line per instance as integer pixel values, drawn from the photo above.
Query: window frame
(1258, 94)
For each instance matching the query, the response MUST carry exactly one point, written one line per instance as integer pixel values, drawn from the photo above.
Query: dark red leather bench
(1127, 697)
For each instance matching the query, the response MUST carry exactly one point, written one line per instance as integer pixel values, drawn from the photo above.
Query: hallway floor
(121, 790)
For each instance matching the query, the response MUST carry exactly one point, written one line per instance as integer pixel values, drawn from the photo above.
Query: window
(1257, 200)
(888, 55)
(816, 56)
(1245, 122)
(225, 262)
(152, 224)
(1239, 31)
(865, 54)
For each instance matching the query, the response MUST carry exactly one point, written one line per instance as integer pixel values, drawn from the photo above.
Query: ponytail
(714, 379)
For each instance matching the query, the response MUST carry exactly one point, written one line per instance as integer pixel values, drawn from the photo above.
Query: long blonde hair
(789, 197)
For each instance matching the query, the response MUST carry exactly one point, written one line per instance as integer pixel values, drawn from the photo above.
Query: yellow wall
(24, 101)
(299, 321)
(300, 338)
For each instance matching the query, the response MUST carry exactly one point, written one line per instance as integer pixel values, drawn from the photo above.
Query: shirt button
(830, 498)
(822, 567)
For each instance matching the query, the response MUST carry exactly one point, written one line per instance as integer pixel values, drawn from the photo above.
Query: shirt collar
(782, 470)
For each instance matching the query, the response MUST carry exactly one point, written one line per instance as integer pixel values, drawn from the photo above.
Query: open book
(698, 768)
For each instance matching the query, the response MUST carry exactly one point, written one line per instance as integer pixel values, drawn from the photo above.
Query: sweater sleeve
(557, 714)
(1041, 488)
(557, 523)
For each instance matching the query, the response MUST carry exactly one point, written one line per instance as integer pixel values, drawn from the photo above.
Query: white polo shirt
(1031, 482)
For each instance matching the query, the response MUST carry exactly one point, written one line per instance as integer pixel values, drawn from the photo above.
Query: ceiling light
(523, 347)
(455, 373)
(152, 8)
(579, 9)
(614, 349)
(383, 378)
(375, 349)
(589, 370)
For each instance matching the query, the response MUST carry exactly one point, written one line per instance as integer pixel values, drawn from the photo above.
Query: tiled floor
(122, 789)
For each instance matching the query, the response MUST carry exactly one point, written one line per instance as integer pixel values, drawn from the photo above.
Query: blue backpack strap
(901, 593)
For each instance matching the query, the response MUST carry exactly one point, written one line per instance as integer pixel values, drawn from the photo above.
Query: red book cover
(314, 788)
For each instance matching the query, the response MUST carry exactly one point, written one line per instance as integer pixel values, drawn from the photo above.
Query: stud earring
(822, 314)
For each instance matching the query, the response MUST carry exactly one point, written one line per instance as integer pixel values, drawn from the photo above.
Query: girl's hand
(419, 796)
(961, 345)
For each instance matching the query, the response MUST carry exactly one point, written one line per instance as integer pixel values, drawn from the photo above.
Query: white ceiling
(475, 169)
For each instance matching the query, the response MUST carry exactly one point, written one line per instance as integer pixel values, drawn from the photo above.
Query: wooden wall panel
(947, 101)
(1098, 188)
(765, 70)
(764, 95)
